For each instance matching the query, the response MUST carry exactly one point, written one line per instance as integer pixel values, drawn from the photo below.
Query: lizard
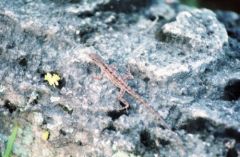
(121, 83)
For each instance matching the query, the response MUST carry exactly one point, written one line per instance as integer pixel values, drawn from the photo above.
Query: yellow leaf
(52, 79)
(45, 135)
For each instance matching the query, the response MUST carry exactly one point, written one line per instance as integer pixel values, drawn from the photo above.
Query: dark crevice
(11, 107)
(10, 45)
(152, 17)
(1, 50)
(88, 70)
(61, 83)
(47, 120)
(23, 62)
(115, 114)
(86, 14)
(85, 32)
(231, 24)
(234, 33)
(233, 133)
(206, 127)
(164, 142)
(228, 133)
(146, 140)
(146, 79)
(125, 6)
(79, 143)
(62, 132)
(232, 90)
(110, 127)
(42, 73)
(35, 100)
(74, 1)
(232, 152)
(65, 108)
(61, 2)
(198, 125)
(234, 47)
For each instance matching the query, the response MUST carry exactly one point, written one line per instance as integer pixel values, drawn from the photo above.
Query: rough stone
(185, 64)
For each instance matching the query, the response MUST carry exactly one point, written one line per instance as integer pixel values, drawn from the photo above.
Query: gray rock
(184, 65)
(198, 28)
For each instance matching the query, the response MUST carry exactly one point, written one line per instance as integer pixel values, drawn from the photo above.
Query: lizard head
(95, 57)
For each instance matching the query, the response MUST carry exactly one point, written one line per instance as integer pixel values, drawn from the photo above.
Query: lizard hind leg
(120, 98)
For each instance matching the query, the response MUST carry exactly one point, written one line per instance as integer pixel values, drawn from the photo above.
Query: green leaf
(10, 142)
(192, 3)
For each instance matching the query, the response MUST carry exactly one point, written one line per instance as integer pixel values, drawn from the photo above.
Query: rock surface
(185, 63)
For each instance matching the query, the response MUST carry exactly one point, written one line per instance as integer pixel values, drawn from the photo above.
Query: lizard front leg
(120, 98)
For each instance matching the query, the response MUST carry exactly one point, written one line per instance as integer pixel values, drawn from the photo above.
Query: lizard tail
(162, 122)
(152, 110)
